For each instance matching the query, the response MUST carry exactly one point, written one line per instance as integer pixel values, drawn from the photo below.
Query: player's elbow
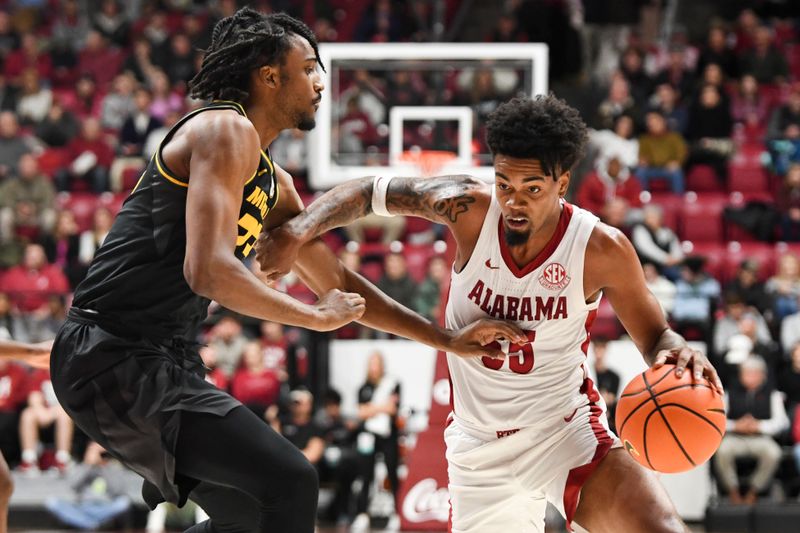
(198, 274)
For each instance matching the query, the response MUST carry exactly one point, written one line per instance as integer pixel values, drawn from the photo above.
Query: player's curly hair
(543, 127)
(245, 41)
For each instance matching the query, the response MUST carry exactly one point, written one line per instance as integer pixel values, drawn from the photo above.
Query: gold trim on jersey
(166, 175)
(231, 102)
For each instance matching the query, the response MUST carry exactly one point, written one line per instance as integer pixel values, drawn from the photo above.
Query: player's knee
(6, 487)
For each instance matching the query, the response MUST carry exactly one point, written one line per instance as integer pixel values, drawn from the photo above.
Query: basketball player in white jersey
(530, 428)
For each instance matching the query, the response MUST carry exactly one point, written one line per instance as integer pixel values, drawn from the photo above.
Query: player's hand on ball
(695, 360)
(337, 308)
(276, 251)
(477, 338)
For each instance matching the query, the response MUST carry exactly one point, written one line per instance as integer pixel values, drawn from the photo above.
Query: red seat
(82, 205)
(606, 324)
(747, 178)
(713, 252)
(52, 160)
(113, 202)
(734, 232)
(702, 178)
(417, 258)
(701, 217)
(762, 253)
(372, 270)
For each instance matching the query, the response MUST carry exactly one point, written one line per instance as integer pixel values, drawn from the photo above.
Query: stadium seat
(52, 160)
(713, 252)
(746, 178)
(606, 324)
(417, 257)
(701, 217)
(734, 232)
(372, 270)
(113, 201)
(762, 253)
(702, 178)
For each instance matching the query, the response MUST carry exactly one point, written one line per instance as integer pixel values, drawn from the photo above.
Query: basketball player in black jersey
(125, 365)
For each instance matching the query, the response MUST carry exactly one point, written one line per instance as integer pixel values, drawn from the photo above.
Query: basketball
(668, 423)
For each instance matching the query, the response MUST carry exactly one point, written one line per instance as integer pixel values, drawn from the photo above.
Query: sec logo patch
(554, 277)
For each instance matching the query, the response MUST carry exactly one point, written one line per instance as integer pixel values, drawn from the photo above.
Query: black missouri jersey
(136, 278)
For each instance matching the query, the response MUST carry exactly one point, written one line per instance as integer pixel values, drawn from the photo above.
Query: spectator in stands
(228, 342)
(340, 460)
(676, 73)
(662, 288)
(378, 402)
(12, 326)
(156, 31)
(788, 203)
(214, 375)
(13, 394)
(747, 342)
(695, 295)
(748, 106)
(764, 61)
(118, 104)
(99, 60)
(291, 149)
(391, 228)
(786, 115)
(138, 125)
(784, 286)
(656, 243)
(34, 281)
(44, 411)
(93, 238)
(632, 68)
(751, 290)
(618, 102)
(667, 101)
(713, 75)
(789, 381)
(275, 349)
(607, 379)
(90, 158)
(356, 131)
(27, 56)
(34, 99)
(253, 384)
(727, 325)
(47, 321)
(140, 62)
(611, 179)
(112, 23)
(179, 61)
(62, 247)
(87, 100)
(747, 25)
(9, 40)
(299, 427)
(718, 52)
(71, 26)
(755, 414)
(58, 127)
(662, 153)
(428, 297)
(790, 331)
(31, 187)
(396, 281)
(709, 132)
(12, 144)
(164, 98)
(506, 30)
(619, 142)
(8, 94)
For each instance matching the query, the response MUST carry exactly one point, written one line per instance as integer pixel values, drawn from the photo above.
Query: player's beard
(306, 123)
(515, 238)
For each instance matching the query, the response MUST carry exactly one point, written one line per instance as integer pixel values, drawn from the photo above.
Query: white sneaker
(361, 523)
(394, 523)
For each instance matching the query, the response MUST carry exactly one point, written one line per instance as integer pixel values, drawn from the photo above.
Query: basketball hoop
(429, 162)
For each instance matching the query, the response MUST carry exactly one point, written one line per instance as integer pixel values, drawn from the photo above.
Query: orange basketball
(670, 424)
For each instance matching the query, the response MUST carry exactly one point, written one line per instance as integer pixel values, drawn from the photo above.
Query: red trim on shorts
(450, 516)
(547, 251)
(578, 476)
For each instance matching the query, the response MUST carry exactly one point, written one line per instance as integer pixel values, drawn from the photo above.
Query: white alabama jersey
(542, 381)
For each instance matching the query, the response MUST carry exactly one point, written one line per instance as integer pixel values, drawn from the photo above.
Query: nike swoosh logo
(489, 265)
(570, 417)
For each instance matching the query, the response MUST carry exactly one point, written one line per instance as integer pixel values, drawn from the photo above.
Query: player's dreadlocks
(245, 41)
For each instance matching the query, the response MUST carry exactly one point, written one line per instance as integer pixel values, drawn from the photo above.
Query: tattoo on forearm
(452, 207)
(338, 207)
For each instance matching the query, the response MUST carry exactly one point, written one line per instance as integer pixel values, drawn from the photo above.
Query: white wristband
(380, 186)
